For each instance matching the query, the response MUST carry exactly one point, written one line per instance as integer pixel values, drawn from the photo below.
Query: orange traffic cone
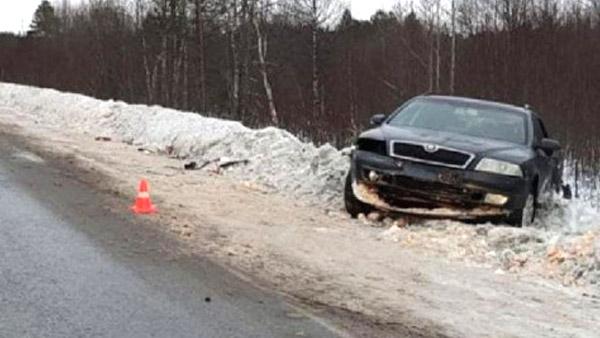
(143, 204)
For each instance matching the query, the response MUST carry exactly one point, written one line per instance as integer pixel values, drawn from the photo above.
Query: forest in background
(308, 66)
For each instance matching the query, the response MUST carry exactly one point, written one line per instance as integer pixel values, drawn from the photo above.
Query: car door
(545, 161)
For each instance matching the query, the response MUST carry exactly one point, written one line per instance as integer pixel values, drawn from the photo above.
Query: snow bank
(277, 159)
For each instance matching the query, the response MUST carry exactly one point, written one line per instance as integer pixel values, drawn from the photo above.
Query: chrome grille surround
(425, 147)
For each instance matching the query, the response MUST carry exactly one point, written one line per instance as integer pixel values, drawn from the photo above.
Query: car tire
(524, 217)
(353, 206)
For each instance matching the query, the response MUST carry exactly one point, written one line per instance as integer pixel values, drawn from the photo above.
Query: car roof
(491, 104)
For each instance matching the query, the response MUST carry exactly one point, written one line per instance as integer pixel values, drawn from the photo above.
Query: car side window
(539, 131)
(544, 130)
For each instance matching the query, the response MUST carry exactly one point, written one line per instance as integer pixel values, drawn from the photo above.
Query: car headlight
(499, 167)
(374, 146)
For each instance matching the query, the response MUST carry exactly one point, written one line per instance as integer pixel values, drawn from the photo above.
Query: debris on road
(569, 259)
(375, 216)
(144, 150)
(217, 165)
(225, 162)
(191, 166)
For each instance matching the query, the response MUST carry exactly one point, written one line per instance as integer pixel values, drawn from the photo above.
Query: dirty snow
(570, 259)
(28, 156)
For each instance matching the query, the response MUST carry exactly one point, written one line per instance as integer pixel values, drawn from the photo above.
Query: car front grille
(430, 153)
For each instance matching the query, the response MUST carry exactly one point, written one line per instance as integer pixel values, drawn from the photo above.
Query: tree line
(310, 67)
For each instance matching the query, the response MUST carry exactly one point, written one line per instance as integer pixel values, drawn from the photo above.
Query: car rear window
(477, 120)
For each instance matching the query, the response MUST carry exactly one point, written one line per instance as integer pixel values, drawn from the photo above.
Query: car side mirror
(377, 120)
(548, 145)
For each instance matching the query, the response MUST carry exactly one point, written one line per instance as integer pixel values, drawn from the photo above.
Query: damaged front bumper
(407, 187)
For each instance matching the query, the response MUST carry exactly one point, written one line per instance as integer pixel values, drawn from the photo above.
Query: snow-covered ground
(563, 247)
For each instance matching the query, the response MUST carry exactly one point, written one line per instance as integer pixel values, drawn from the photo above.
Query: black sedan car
(451, 157)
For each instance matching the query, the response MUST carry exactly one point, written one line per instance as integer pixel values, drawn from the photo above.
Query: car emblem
(431, 148)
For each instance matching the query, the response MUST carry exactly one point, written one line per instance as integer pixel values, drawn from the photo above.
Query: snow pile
(276, 158)
(568, 216)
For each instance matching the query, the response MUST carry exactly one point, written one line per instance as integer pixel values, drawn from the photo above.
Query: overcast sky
(15, 15)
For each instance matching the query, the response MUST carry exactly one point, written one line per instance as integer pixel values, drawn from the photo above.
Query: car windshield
(464, 118)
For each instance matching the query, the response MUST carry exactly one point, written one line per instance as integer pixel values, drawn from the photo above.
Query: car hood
(481, 147)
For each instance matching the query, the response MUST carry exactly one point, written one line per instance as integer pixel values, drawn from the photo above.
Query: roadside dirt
(323, 257)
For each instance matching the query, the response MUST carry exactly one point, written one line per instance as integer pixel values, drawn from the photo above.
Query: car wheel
(353, 206)
(524, 217)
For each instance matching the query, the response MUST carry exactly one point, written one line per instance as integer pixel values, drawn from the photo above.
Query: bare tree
(430, 11)
(200, 7)
(438, 47)
(240, 15)
(453, 48)
(315, 13)
(262, 49)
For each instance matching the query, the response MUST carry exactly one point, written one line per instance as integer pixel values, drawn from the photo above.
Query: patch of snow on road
(393, 233)
(28, 156)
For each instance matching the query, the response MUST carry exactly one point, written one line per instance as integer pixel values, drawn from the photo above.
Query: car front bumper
(414, 188)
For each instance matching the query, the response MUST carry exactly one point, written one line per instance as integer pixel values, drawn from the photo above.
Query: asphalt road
(71, 268)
